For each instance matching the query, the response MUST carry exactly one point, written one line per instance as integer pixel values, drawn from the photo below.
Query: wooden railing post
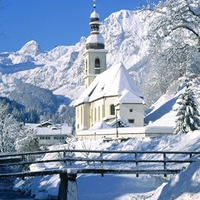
(72, 192)
(68, 186)
(23, 165)
(64, 155)
(136, 162)
(23, 160)
(101, 156)
(62, 193)
(164, 161)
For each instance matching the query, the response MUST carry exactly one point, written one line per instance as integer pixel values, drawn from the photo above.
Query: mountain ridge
(61, 70)
(63, 66)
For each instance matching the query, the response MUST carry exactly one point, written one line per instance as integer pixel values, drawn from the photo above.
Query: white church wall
(123, 133)
(108, 102)
(83, 116)
(133, 113)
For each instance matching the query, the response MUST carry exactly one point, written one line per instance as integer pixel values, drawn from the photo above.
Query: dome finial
(94, 5)
(95, 40)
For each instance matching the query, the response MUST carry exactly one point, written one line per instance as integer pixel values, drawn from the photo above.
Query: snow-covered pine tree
(196, 89)
(187, 117)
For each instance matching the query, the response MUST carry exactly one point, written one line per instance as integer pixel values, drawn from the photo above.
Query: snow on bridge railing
(68, 174)
(140, 159)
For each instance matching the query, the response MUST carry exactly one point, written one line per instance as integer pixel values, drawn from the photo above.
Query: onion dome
(95, 40)
(94, 16)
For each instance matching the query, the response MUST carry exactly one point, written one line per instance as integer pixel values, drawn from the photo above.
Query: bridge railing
(140, 159)
(144, 162)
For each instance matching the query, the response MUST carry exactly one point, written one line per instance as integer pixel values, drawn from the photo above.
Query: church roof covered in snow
(95, 39)
(112, 82)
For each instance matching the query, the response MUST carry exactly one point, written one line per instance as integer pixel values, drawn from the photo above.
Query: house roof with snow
(60, 129)
(46, 131)
(95, 39)
(113, 82)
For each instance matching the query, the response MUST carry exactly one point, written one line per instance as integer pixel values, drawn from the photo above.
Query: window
(91, 114)
(81, 115)
(112, 109)
(131, 121)
(45, 138)
(95, 114)
(103, 112)
(97, 66)
(99, 113)
(86, 72)
(59, 138)
(131, 110)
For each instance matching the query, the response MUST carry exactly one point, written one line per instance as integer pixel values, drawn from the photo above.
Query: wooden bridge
(97, 162)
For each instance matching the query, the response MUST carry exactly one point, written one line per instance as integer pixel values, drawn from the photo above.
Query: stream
(6, 192)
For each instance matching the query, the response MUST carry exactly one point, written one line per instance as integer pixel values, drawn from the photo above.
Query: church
(110, 95)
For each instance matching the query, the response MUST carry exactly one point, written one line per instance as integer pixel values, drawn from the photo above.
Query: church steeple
(95, 55)
(95, 40)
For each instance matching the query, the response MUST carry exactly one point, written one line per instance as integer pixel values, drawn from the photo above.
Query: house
(109, 93)
(51, 134)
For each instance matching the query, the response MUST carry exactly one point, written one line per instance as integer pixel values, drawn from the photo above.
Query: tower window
(86, 67)
(97, 66)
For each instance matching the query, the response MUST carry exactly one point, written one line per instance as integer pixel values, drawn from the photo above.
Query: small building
(51, 134)
(108, 92)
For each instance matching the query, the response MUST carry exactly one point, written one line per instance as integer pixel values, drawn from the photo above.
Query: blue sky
(52, 22)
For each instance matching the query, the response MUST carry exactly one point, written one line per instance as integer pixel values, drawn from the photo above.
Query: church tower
(109, 93)
(95, 55)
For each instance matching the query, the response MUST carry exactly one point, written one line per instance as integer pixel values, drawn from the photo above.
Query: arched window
(112, 109)
(97, 66)
(95, 115)
(86, 72)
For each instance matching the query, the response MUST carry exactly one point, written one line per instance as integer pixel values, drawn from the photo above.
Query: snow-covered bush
(26, 140)
(13, 135)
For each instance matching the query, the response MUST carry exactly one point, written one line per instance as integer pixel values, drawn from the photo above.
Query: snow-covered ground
(184, 186)
(110, 187)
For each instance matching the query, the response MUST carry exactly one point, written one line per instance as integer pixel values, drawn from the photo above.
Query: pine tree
(196, 88)
(187, 117)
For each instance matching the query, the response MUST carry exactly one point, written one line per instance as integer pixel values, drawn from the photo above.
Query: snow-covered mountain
(61, 69)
